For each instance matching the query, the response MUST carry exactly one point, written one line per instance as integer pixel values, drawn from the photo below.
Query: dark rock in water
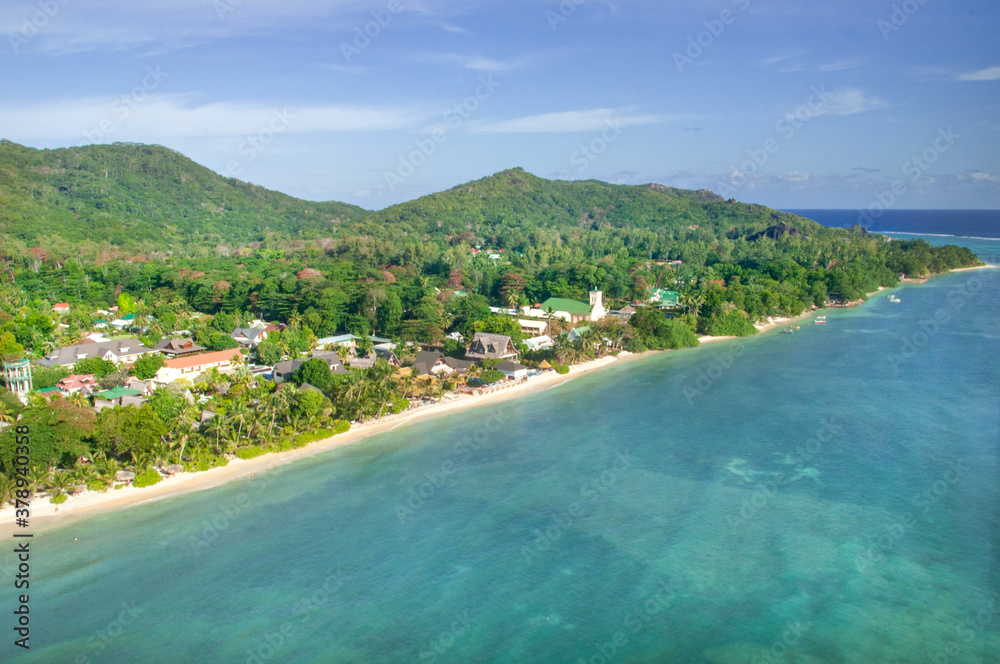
(776, 231)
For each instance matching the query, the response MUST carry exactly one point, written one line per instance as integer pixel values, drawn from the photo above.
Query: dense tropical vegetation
(181, 248)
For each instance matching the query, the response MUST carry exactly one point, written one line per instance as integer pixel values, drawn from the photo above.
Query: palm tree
(7, 414)
(7, 487)
(39, 479)
(62, 482)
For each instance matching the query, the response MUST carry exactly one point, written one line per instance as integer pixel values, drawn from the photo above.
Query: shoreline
(45, 515)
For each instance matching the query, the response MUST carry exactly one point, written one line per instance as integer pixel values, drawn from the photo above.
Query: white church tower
(597, 310)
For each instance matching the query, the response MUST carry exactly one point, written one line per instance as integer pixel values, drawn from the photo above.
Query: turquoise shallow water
(827, 496)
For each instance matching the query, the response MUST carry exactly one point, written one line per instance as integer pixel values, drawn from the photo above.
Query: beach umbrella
(545, 365)
(174, 468)
(124, 476)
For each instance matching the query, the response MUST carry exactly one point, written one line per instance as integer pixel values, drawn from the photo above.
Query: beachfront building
(225, 361)
(119, 351)
(433, 362)
(178, 347)
(488, 346)
(571, 311)
(512, 369)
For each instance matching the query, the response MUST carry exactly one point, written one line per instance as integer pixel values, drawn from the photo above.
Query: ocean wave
(968, 237)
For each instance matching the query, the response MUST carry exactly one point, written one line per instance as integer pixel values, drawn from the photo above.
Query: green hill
(143, 195)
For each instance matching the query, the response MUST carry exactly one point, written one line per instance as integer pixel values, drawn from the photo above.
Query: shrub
(561, 369)
(731, 324)
(490, 376)
(148, 477)
(399, 404)
(97, 485)
(59, 500)
(250, 452)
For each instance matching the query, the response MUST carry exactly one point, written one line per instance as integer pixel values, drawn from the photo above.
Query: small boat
(893, 298)
(796, 327)
(788, 332)
(820, 322)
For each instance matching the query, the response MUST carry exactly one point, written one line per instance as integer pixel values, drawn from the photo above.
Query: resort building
(491, 346)
(193, 365)
(512, 369)
(18, 378)
(572, 311)
(120, 351)
(178, 347)
(430, 362)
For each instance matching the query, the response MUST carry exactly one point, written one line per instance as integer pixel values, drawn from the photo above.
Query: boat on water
(788, 331)
(820, 322)
(893, 298)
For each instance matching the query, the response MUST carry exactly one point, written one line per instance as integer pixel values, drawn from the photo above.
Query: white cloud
(156, 118)
(980, 176)
(988, 74)
(473, 62)
(568, 121)
(847, 101)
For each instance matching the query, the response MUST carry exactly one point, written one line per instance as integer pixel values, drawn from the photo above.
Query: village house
(533, 328)
(283, 371)
(60, 307)
(486, 345)
(249, 337)
(177, 347)
(120, 351)
(536, 343)
(85, 383)
(190, 366)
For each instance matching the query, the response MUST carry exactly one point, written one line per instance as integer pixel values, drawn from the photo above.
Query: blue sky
(789, 104)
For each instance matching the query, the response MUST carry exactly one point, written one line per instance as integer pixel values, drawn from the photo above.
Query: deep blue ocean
(830, 496)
